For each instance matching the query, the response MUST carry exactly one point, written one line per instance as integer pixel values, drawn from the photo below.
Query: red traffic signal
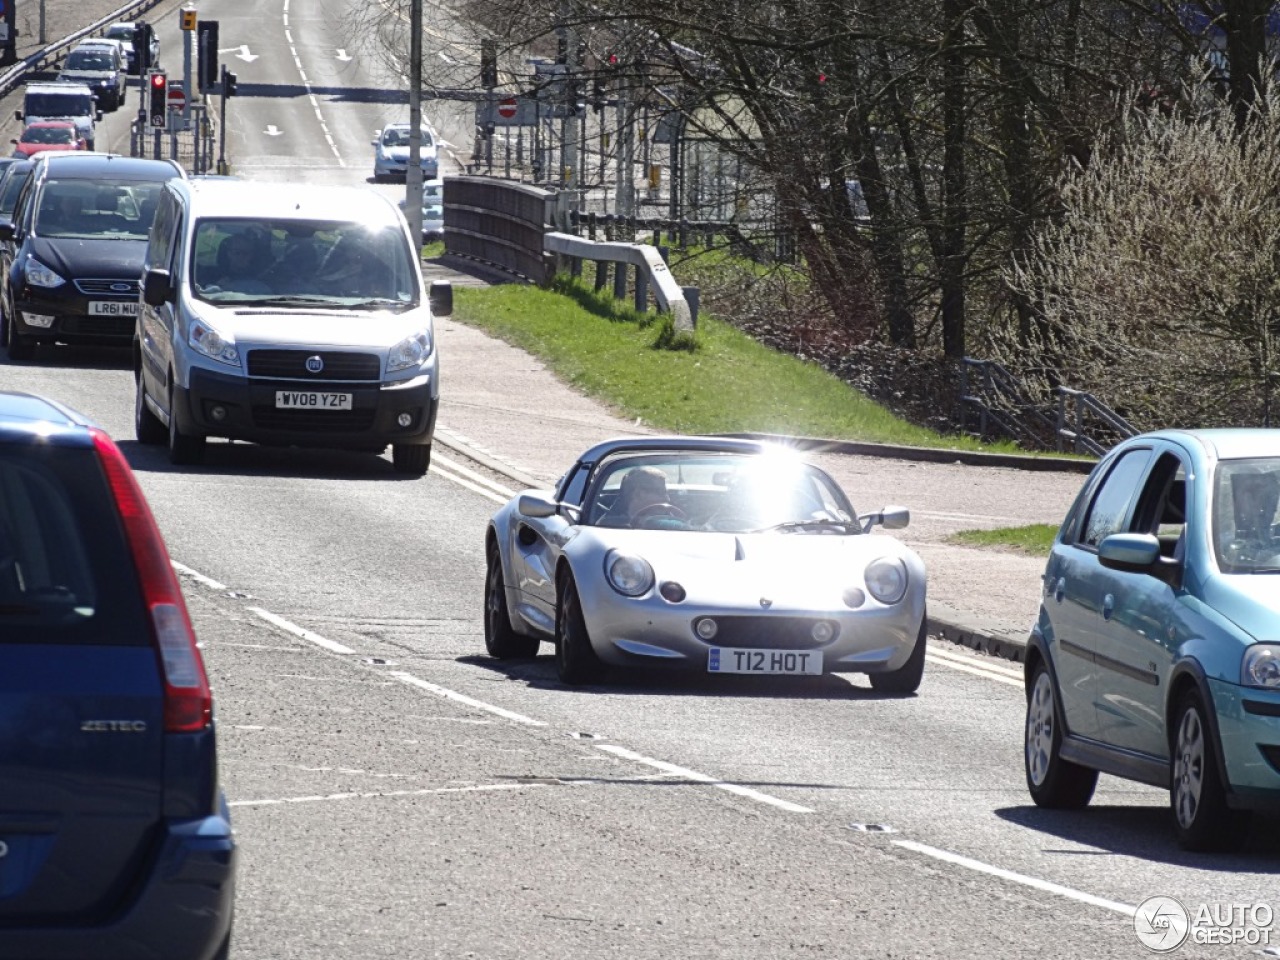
(157, 102)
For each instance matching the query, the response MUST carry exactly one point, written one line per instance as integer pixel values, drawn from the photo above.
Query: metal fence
(500, 223)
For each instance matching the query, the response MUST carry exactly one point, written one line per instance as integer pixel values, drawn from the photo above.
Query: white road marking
(463, 698)
(986, 675)
(703, 778)
(474, 488)
(199, 578)
(343, 55)
(272, 130)
(299, 632)
(324, 127)
(378, 794)
(1047, 886)
(976, 667)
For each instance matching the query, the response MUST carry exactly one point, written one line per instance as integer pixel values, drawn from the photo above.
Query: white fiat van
(288, 315)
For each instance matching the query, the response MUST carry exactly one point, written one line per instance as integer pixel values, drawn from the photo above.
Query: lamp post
(413, 175)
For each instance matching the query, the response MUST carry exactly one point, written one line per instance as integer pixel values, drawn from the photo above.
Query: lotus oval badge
(121, 288)
(314, 364)
(766, 602)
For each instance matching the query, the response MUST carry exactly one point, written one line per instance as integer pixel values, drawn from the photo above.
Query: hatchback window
(1110, 507)
(1246, 515)
(65, 569)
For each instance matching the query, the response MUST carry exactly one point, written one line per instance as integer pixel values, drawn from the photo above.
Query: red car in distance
(48, 135)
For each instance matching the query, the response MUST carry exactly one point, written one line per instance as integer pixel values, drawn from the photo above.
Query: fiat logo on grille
(314, 364)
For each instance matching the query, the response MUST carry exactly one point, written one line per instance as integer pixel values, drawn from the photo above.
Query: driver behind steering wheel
(642, 500)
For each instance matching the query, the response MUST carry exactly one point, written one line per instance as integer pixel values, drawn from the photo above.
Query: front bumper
(62, 314)
(1249, 732)
(390, 167)
(249, 412)
(181, 912)
(652, 632)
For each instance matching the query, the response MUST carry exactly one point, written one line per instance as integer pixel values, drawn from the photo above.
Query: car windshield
(89, 60)
(296, 263)
(97, 209)
(729, 493)
(120, 33)
(1246, 501)
(49, 135)
(399, 137)
(58, 105)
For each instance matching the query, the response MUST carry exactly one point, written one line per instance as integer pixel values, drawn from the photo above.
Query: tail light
(188, 704)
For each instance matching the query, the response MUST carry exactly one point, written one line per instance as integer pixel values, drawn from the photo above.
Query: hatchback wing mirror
(1139, 553)
(157, 288)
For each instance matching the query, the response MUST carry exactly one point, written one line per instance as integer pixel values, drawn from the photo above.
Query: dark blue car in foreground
(115, 840)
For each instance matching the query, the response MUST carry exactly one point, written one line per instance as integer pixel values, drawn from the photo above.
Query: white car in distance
(391, 153)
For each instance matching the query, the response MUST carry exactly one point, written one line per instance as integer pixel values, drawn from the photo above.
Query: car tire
(146, 425)
(17, 347)
(906, 679)
(1054, 783)
(413, 459)
(184, 448)
(576, 661)
(500, 638)
(1201, 817)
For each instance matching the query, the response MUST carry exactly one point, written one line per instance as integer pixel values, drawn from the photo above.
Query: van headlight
(410, 352)
(38, 275)
(1261, 666)
(208, 341)
(886, 579)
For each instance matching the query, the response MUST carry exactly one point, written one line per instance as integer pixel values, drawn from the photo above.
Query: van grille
(292, 365)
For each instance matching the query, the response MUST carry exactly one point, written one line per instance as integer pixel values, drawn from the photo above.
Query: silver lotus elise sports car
(704, 554)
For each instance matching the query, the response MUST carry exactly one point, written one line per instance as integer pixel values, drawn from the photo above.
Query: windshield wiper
(286, 301)
(821, 523)
(375, 303)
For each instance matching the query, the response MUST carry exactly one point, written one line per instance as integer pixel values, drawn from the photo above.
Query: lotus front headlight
(38, 275)
(886, 579)
(1261, 666)
(206, 340)
(630, 576)
(410, 352)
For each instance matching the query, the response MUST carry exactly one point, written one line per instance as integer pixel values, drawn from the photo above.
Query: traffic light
(157, 98)
(142, 48)
(207, 50)
(488, 64)
(598, 94)
(228, 84)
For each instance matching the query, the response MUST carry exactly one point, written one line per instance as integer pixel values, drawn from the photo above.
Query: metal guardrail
(651, 272)
(15, 75)
(1087, 405)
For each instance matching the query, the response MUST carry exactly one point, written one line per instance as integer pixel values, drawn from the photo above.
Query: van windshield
(90, 60)
(58, 105)
(300, 262)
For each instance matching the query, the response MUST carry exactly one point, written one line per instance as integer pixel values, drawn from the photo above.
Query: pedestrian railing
(500, 223)
(1087, 424)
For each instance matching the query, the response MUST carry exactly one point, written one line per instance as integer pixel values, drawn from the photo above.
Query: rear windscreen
(66, 574)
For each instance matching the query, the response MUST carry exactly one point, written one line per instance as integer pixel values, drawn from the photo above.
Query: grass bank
(1034, 539)
(725, 382)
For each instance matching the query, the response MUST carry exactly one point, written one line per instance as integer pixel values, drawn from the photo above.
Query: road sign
(507, 112)
(177, 99)
(507, 108)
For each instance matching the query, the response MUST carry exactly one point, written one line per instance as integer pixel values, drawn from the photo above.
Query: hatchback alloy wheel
(1188, 769)
(1053, 782)
(1202, 817)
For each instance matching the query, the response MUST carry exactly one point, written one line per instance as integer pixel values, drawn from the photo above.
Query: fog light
(218, 412)
(672, 592)
(405, 419)
(37, 320)
(854, 598)
(705, 628)
(822, 631)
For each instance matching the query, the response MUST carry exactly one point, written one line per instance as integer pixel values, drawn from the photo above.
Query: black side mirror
(157, 288)
(441, 298)
(17, 114)
(6, 231)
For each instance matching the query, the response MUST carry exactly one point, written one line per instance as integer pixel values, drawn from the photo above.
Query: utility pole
(413, 175)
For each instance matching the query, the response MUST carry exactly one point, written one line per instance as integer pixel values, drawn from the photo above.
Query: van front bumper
(218, 405)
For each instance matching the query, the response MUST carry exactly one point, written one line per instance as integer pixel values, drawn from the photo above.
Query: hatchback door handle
(1060, 589)
(1108, 606)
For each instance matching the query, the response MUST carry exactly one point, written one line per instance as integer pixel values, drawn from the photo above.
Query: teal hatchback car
(1156, 654)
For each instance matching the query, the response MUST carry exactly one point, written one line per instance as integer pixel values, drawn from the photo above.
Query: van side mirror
(6, 230)
(97, 116)
(17, 114)
(441, 298)
(157, 288)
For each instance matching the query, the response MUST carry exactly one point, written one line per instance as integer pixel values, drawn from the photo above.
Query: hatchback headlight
(1261, 666)
(630, 576)
(38, 275)
(206, 340)
(410, 352)
(886, 579)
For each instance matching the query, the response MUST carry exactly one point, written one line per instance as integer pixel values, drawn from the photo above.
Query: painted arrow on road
(244, 53)
(272, 130)
(343, 55)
